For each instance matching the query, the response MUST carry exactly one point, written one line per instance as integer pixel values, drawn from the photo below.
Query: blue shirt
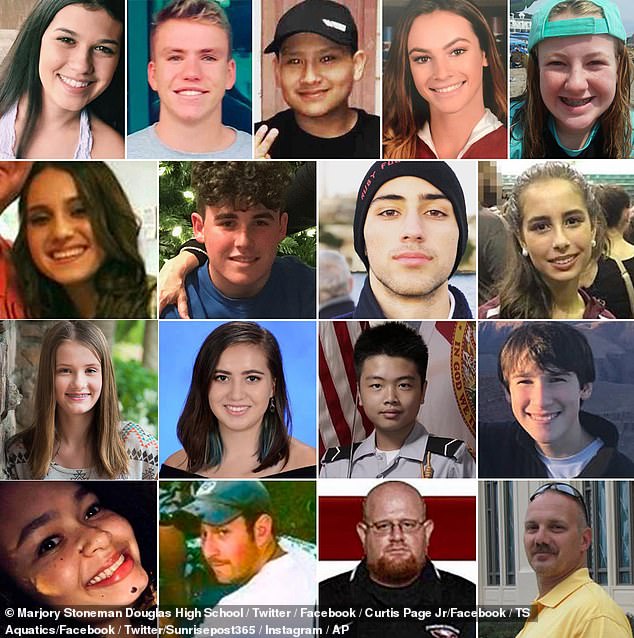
(289, 293)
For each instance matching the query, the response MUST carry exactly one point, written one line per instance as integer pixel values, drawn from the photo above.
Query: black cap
(437, 173)
(324, 17)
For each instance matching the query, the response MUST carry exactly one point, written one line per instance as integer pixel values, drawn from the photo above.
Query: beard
(395, 571)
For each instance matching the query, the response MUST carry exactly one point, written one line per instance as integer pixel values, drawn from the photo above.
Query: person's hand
(172, 282)
(12, 178)
(264, 141)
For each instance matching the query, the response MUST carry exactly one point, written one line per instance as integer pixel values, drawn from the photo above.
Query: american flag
(449, 407)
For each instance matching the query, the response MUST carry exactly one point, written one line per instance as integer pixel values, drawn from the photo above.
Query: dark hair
(197, 427)
(523, 293)
(553, 346)
(241, 184)
(133, 500)
(120, 282)
(404, 109)
(613, 201)
(393, 339)
(19, 73)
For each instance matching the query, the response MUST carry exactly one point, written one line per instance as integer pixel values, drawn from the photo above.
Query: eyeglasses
(562, 488)
(386, 528)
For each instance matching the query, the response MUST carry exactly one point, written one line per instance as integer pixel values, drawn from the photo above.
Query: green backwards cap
(611, 24)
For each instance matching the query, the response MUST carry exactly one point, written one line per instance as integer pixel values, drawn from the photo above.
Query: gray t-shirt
(145, 144)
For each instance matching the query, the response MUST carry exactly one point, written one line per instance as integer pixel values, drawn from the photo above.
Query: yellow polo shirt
(577, 608)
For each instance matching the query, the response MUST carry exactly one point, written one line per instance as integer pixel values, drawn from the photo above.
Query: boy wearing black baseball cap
(317, 61)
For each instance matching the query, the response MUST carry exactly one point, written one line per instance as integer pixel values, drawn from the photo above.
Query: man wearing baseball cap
(410, 231)
(317, 61)
(239, 543)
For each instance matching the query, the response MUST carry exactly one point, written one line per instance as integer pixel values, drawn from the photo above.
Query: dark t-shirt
(362, 142)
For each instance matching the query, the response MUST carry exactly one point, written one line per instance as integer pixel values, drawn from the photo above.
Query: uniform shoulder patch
(338, 453)
(443, 445)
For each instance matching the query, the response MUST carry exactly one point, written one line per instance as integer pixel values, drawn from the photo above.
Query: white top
(290, 579)
(570, 466)
(140, 446)
(7, 135)
(487, 124)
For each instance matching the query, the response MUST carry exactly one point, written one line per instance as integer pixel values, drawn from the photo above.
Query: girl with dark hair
(236, 421)
(77, 432)
(578, 77)
(76, 545)
(444, 87)
(61, 84)
(613, 275)
(76, 252)
(556, 231)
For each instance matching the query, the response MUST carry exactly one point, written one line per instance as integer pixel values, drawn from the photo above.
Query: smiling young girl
(77, 433)
(236, 421)
(76, 253)
(557, 229)
(578, 77)
(61, 84)
(77, 545)
(444, 87)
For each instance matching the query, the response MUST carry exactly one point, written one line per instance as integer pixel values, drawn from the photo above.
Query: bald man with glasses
(396, 572)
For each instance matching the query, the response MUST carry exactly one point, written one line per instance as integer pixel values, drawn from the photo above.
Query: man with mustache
(556, 540)
(12, 178)
(390, 363)
(396, 572)
(410, 231)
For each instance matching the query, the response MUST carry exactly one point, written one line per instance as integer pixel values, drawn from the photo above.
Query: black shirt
(362, 142)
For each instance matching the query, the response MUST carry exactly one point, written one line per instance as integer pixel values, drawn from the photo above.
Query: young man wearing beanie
(317, 61)
(410, 231)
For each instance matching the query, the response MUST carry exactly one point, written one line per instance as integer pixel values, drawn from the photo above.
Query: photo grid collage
(253, 298)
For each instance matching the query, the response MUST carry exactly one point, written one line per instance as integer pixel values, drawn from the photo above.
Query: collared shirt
(485, 126)
(449, 458)
(577, 608)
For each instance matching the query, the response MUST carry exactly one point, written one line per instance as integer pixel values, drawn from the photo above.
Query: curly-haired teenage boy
(241, 221)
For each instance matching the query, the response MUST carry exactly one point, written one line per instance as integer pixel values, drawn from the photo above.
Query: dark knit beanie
(437, 173)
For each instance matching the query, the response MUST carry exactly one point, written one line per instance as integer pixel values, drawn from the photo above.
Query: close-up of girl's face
(59, 545)
(577, 79)
(556, 229)
(59, 230)
(78, 378)
(446, 62)
(241, 387)
(78, 56)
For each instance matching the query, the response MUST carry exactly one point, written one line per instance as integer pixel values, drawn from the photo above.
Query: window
(492, 527)
(624, 526)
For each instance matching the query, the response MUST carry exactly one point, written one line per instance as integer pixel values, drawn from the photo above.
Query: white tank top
(7, 135)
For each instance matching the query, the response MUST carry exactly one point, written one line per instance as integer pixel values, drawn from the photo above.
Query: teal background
(143, 102)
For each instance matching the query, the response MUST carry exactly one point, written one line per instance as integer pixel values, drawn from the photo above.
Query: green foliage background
(176, 209)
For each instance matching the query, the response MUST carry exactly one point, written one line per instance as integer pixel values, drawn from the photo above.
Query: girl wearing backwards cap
(577, 98)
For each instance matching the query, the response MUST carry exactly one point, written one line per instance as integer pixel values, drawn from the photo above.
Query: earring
(524, 252)
(272, 404)
(593, 243)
